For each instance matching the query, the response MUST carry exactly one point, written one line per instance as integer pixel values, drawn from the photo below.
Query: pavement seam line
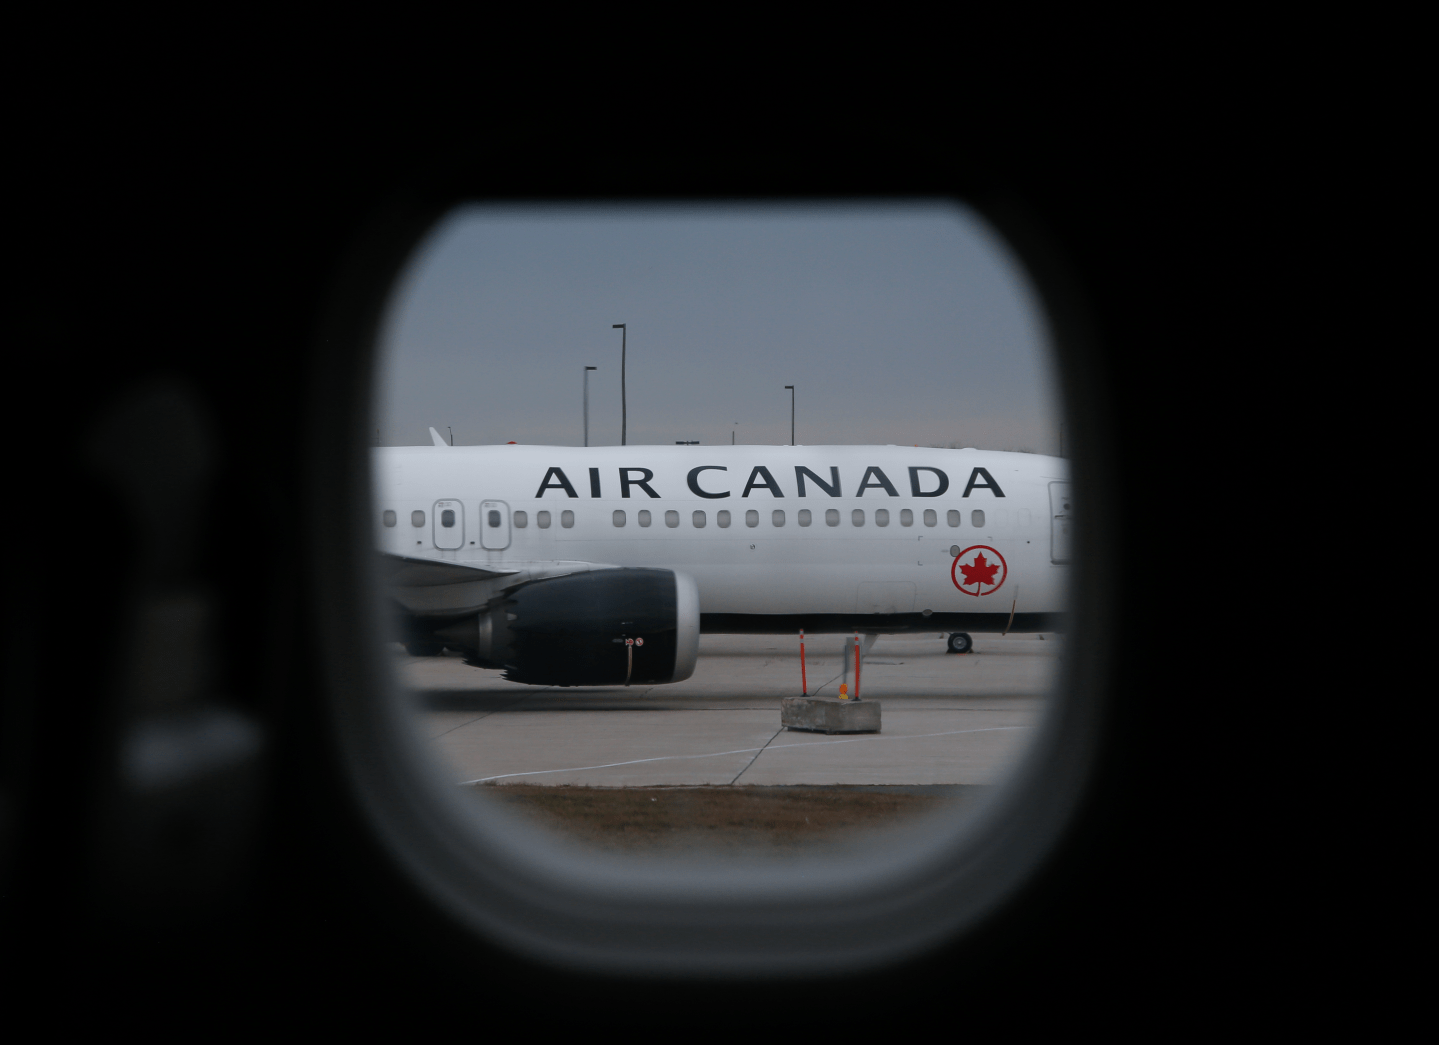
(737, 751)
(523, 697)
(745, 770)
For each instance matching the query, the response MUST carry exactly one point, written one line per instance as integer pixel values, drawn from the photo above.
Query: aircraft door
(494, 525)
(1061, 519)
(449, 524)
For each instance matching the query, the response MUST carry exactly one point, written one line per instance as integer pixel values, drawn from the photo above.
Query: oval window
(566, 806)
(976, 518)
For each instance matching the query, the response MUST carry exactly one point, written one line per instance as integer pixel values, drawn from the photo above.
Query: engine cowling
(575, 630)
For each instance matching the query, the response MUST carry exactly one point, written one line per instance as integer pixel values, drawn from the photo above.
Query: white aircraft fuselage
(878, 539)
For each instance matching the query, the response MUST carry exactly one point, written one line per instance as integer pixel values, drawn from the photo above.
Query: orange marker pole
(803, 678)
(856, 665)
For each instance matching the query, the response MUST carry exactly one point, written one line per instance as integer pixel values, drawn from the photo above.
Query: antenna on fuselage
(437, 438)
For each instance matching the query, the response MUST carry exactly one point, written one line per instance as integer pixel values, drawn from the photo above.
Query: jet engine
(609, 627)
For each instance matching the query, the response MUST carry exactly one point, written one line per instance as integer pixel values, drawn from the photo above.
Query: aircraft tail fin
(439, 440)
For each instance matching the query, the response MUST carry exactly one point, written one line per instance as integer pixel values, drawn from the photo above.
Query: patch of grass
(630, 818)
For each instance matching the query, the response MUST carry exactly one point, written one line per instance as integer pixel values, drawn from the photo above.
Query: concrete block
(829, 715)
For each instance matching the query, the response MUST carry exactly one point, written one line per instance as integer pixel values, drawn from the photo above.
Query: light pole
(624, 409)
(587, 403)
(452, 434)
(791, 414)
(732, 432)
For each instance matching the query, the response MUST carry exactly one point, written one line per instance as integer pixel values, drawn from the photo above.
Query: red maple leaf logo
(981, 572)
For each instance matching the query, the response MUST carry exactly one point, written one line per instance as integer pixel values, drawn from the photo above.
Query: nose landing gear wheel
(960, 642)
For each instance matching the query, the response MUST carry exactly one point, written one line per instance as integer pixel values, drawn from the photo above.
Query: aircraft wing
(405, 572)
(445, 588)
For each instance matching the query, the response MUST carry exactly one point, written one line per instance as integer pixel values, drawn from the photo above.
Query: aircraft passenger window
(526, 739)
(976, 518)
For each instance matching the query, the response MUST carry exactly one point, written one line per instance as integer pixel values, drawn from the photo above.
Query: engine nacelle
(572, 631)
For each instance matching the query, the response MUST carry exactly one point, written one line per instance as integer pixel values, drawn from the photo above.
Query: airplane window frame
(496, 878)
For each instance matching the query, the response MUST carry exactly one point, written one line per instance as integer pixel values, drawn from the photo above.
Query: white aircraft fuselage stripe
(758, 564)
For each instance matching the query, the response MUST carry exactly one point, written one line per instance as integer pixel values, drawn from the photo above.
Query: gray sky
(904, 323)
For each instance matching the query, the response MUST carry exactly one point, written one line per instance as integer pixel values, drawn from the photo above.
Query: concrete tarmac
(947, 719)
